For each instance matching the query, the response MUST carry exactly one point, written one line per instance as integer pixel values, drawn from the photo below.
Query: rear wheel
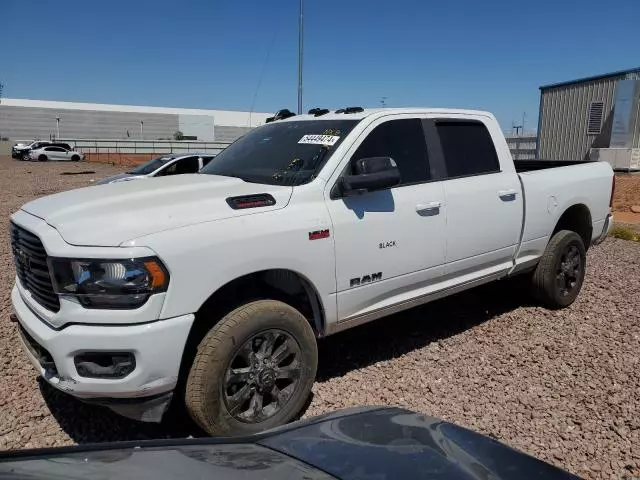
(558, 278)
(42, 158)
(253, 370)
(75, 158)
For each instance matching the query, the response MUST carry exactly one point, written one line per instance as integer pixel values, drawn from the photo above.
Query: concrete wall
(36, 119)
(5, 148)
(19, 122)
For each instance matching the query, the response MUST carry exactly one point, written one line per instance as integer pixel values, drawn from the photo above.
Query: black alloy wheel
(262, 376)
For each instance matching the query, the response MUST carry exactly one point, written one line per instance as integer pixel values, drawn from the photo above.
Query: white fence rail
(143, 146)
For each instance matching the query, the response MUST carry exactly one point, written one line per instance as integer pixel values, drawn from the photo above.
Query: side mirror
(371, 174)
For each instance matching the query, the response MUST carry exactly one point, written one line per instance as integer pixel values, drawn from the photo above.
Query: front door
(56, 153)
(390, 243)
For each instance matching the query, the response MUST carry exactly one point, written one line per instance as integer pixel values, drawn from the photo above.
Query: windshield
(150, 166)
(281, 153)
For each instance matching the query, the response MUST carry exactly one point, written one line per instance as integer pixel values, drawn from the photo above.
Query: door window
(205, 161)
(467, 147)
(403, 141)
(187, 165)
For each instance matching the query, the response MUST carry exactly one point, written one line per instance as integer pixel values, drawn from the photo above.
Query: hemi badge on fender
(319, 234)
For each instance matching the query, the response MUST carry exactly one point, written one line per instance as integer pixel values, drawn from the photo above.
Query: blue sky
(489, 54)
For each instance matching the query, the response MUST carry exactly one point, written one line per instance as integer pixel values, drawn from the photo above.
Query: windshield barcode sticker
(319, 139)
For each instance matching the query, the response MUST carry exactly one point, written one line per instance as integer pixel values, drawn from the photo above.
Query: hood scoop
(251, 201)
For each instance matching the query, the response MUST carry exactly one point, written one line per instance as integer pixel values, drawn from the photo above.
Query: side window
(170, 170)
(205, 161)
(403, 141)
(187, 165)
(467, 147)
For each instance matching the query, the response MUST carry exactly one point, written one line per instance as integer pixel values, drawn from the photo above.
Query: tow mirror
(371, 174)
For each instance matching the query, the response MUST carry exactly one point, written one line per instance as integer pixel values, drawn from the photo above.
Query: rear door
(483, 198)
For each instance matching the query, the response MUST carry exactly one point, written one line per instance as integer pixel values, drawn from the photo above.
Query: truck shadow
(356, 348)
(85, 423)
(398, 334)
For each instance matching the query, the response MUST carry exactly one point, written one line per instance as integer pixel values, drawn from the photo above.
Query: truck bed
(550, 188)
(531, 165)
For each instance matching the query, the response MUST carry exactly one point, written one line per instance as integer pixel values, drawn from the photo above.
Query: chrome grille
(30, 259)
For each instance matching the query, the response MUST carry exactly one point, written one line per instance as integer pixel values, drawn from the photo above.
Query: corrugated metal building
(599, 112)
(28, 119)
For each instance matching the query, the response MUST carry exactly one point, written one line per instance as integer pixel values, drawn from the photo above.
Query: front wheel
(253, 370)
(25, 157)
(558, 278)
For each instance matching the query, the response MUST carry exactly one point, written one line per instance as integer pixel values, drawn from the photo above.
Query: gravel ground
(563, 386)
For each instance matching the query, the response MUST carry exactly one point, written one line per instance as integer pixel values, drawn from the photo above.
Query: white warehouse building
(22, 119)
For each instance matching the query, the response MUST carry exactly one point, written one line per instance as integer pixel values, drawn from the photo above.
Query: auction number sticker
(319, 139)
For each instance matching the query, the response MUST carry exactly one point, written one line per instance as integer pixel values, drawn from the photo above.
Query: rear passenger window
(187, 165)
(403, 141)
(467, 147)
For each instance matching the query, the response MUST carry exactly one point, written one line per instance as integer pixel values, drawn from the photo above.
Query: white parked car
(55, 153)
(173, 164)
(215, 287)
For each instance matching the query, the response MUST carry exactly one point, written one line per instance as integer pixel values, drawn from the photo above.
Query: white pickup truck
(214, 287)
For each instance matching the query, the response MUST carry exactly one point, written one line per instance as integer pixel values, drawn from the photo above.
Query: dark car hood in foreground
(372, 444)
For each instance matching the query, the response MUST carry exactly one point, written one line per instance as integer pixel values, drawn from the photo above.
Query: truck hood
(108, 215)
(121, 177)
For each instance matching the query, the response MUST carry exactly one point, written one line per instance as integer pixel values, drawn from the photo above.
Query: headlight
(112, 284)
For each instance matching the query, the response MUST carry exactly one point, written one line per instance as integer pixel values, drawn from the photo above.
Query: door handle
(429, 209)
(507, 195)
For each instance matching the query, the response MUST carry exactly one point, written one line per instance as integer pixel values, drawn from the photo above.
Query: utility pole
(300, 49)
(141, 129)
(1, 89)
(57, 128)
(518, 129)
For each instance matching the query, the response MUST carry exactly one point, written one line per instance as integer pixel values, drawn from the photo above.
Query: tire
(229, 376)
(25, 157)
(75, 158)
(42, 158)
(559, 275)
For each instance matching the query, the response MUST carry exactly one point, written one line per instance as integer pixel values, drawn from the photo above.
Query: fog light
(105, 364)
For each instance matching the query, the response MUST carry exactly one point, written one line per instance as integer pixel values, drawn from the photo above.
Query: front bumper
(157, 347)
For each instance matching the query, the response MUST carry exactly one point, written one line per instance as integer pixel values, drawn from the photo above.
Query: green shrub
(624, 233)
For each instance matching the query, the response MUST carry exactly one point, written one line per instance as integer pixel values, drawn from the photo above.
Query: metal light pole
(1, 88)
(300, 48)
(57, 128)
(141, 129)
